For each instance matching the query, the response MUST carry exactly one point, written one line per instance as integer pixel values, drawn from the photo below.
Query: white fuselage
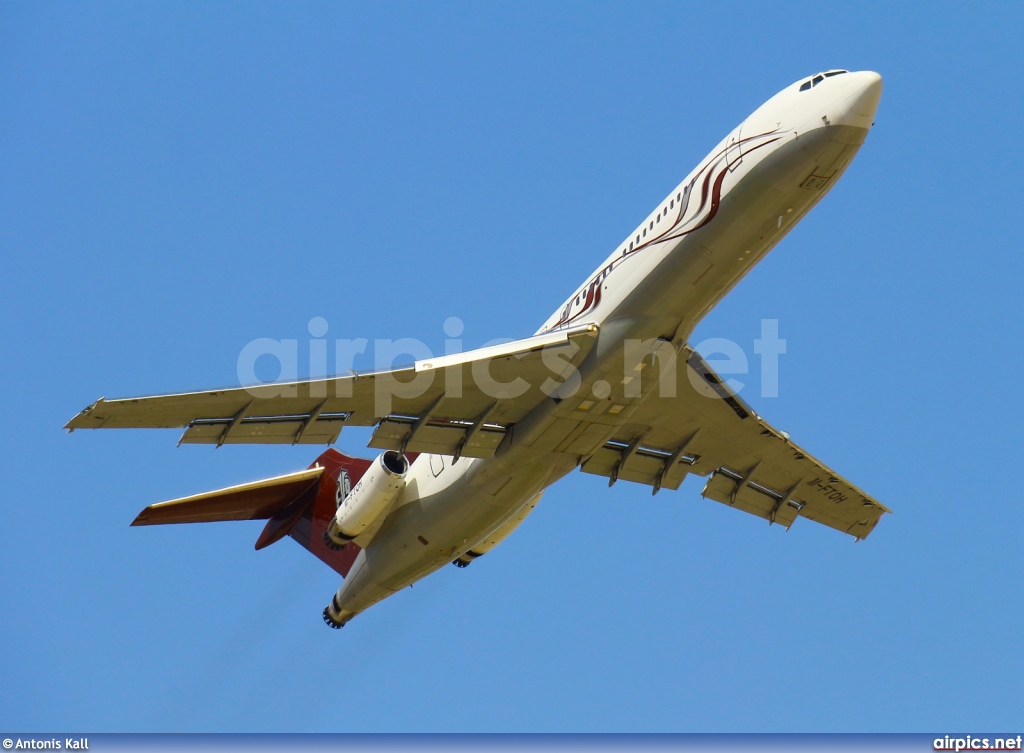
(657, 283)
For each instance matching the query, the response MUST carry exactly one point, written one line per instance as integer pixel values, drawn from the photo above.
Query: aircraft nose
(865, 90)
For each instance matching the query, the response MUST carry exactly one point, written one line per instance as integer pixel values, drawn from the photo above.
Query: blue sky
(179, 179)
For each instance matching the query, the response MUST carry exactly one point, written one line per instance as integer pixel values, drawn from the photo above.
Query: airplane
(608, 385)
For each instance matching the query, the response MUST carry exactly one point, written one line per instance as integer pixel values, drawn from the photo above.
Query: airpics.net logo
(969, 742)
(270, 367)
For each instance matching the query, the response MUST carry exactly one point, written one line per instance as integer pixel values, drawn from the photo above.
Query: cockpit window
(818, 79)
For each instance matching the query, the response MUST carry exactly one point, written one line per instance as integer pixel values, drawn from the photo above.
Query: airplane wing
(706, 429)
(458, 404)
(463, 404)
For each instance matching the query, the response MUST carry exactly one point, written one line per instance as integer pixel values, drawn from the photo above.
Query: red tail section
(341, 473)
(306, 519)
(300, 505)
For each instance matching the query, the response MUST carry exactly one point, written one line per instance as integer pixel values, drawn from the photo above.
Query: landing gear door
(734, 152)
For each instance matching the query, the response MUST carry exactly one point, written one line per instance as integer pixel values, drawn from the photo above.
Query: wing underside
(457, 404)
(707, 430)
(465, 404)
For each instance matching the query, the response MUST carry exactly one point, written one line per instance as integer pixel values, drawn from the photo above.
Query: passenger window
(652, 225)
(645, 232)
(631, 245)
(672, 203)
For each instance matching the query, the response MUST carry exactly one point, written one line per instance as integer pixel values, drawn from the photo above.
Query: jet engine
(376, 490)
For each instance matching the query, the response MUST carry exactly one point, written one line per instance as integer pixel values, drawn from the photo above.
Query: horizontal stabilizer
(257, 500)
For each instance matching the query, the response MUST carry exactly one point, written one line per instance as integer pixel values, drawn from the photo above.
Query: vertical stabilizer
(340, 474)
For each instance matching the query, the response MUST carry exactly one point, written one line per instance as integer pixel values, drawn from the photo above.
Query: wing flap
(643, 467)
(258, 430)
(442, 437)
(725, 487)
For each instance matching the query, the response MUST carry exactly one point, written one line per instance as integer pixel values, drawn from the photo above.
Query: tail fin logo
(344, 486)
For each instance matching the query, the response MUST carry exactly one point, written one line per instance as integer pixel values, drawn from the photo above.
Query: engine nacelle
(376, 490)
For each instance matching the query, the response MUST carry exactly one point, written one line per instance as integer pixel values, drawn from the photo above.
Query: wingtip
(81, 420)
